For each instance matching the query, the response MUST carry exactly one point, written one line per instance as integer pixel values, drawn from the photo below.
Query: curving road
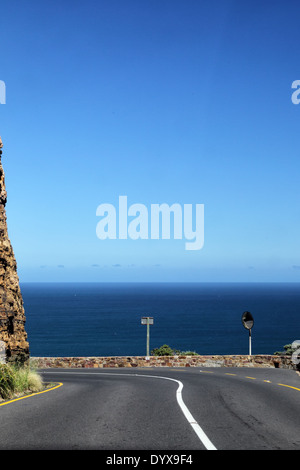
(158, 409)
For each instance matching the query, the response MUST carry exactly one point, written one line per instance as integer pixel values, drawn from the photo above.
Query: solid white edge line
(196, 427)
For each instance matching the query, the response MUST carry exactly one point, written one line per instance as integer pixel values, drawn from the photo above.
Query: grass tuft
(16, 380)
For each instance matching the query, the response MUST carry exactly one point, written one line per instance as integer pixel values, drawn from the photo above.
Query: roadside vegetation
(18, 380)
(166, 350)
(288, 350)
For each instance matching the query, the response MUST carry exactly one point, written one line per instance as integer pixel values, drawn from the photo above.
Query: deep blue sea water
(91, 319)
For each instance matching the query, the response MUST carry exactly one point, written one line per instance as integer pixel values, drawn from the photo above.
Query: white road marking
(196, 427)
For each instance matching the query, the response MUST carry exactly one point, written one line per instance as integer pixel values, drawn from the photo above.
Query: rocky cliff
(12, 315)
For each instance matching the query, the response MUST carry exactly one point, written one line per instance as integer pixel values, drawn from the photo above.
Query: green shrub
(288, 350)
(166, 350)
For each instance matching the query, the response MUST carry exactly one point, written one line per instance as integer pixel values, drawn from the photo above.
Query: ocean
(104, 319)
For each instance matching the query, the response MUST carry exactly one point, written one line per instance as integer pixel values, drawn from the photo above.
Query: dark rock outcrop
(12, 315)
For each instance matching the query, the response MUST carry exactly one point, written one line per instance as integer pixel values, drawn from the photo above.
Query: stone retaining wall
(163, 361)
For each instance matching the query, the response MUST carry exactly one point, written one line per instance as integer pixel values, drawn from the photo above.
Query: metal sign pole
(148, 339)
(250, 342)
(147, 321)
(248, 322)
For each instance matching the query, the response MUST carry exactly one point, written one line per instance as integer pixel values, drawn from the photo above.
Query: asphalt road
(158, 409)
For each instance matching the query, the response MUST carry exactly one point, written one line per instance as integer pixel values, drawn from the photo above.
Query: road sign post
(248, 323)
(147, 321)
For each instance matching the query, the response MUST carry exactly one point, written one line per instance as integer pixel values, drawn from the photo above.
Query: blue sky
(166, 101)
